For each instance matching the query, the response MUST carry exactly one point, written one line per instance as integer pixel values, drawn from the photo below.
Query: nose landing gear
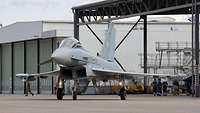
(74, 94)
(122, 93)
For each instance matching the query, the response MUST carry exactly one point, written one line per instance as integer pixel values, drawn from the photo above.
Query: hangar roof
(119, 9)
(21, 31)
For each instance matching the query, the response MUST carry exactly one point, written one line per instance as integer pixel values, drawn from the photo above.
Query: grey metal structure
(196, 10)
(118, 9)
(22, 57)
(174, 56)
(23, 46)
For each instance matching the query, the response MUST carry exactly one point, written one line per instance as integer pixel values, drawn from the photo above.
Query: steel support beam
(145, 50)
(193, 76)
(160, 60)
(119, 64)
(145, 43)
(127, 34)
(76, 24)
(12, 68)
(196, 50)
(25, 65)
(119, 9)
(38, 65)
(52, 66)
(1, 69)
(94, 33)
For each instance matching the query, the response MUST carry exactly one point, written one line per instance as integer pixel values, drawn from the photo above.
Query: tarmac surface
(98, 104)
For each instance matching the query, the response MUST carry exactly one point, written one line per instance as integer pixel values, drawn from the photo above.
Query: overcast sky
(31, 10)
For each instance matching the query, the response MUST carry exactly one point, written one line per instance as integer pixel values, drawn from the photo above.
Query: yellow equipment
(133, 88)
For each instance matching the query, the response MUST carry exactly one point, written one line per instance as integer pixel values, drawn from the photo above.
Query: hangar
(91, 13)
(108, 10)
(24, 45)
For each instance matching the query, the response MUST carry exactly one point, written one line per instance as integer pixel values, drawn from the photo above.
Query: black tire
(123, 97)
(122, 93)
(59, 94)
(74, 96)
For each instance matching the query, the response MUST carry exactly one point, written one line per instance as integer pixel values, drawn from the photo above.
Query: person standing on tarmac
(28, 89)
(164, 88)
(159, 87)
(154, 87)
(176, 88)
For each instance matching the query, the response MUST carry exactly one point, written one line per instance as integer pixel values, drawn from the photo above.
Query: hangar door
(31, 61)
(18, 66)
(46, 46)
(6, 68)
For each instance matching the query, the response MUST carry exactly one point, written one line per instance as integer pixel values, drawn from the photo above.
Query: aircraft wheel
(123, 93)
(123, 97)
(74, 95)
(60, 94)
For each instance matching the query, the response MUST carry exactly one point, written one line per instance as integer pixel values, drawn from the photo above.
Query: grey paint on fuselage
(74, 57)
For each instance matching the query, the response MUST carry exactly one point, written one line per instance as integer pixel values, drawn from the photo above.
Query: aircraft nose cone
(54, 55)
(57, 56)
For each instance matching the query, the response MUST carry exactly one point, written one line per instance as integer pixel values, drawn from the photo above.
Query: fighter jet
(77, 64)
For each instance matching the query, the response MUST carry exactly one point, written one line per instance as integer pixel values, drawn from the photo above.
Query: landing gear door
(89, 71)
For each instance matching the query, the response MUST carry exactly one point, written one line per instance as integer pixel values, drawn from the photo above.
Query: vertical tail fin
(108, 49)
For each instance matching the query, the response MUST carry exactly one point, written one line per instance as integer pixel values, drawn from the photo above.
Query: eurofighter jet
(77, 64)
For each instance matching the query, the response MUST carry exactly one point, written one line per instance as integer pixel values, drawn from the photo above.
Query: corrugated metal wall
(23, 57)
(6, 68)
(31, 61)
(45, 53)
(18, 66)
(0, 68)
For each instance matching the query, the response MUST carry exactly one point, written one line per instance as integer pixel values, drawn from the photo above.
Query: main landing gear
(60, 90)
(74, 94)
(60, 93)
(122, 93)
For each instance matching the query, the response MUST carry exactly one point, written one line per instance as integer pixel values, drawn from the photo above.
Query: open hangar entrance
(109, 10)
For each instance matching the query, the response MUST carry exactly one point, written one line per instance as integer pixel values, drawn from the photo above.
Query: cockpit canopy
(71, 43)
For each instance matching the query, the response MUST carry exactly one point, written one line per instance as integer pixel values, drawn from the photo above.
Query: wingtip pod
(22, 75)
(26, 77)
